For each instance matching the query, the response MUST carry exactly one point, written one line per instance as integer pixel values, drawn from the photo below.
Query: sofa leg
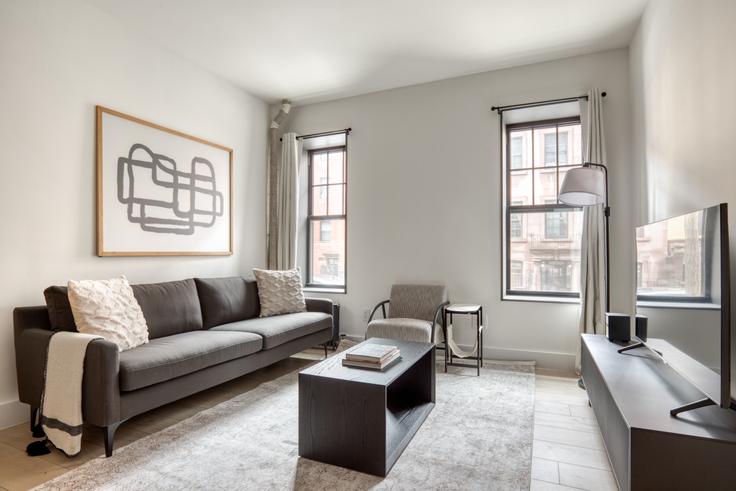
(34, 417)
(110, 438)
(325, 347)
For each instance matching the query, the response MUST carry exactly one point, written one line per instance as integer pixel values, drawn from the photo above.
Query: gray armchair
(414, 313)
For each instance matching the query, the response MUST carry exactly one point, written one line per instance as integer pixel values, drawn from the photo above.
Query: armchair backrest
(416, 301)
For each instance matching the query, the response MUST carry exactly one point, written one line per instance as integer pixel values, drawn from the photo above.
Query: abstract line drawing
(163, 199)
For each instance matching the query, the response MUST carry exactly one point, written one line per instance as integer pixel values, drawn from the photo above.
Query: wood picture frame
(169, 220)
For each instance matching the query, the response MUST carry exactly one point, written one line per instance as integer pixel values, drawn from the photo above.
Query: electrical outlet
(366, 315)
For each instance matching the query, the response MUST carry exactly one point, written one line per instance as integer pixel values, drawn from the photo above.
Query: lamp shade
(583, 186)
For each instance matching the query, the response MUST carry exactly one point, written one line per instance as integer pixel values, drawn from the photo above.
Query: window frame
(308, 283)
(509, 209)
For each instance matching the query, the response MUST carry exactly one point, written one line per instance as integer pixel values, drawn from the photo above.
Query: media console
(631, 394)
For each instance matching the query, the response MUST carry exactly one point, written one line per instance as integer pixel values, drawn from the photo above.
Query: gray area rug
(479, 436)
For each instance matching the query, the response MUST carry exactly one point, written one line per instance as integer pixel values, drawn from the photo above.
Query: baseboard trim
(13, 413)
(562, 362)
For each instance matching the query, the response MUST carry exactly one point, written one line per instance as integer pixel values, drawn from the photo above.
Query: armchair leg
(109, 432)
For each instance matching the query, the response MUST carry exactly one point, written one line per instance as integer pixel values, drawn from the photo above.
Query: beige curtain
(287, 202)
(592, 260)
(275, 133)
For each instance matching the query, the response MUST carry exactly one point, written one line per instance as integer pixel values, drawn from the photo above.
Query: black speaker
(618, 327)
(641, 327)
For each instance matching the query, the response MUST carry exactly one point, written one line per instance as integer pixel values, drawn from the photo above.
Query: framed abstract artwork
(160, 192)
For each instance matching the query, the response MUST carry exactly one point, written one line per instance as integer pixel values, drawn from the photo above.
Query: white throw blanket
(61, 404)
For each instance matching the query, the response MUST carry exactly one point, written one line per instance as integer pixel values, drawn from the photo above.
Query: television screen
(680, 273)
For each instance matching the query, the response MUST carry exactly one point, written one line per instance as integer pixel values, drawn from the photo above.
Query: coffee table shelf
(363, 419)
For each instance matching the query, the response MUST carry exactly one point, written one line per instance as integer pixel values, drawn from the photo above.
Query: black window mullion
(327, 190)
(534, 166)
(557, 163)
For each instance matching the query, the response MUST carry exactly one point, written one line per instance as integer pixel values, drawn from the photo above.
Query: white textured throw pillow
(108, 308)
(280, 292)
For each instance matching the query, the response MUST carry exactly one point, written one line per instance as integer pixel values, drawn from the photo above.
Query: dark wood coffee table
(363, 419)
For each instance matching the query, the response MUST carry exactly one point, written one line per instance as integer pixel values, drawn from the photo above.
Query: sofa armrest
(319, 305)
(101, 385)
(101, 392)
(32, 331)
(31, 345)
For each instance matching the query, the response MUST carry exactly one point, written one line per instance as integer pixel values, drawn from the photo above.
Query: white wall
(683, 89)
(58, 60)
(424, 195)
(683, 80)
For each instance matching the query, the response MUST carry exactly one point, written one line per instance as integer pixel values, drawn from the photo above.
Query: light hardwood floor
(567, 452)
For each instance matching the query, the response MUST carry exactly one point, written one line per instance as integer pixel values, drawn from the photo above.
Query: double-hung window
(326, 231)
(543, 235)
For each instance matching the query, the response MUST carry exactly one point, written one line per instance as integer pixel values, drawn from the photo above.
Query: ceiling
(316, 50)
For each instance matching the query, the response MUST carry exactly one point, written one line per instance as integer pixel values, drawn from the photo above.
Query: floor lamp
(588, 186)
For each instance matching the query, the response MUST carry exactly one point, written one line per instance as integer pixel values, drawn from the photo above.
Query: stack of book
(372, 356)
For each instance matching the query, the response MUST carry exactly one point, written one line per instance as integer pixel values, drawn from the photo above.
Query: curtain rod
(323, 133)
(549, 102)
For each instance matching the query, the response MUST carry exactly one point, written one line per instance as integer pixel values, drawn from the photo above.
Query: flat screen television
(683, 295)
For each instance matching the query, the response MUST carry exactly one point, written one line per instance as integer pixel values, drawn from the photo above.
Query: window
(550, 149)
(516, 152)
(543, 235)
(326, 218)
(325, 231)
(517, 274)
(556, 275)
(329, 265)
(555, 223)
(562, 147)
(517, 224)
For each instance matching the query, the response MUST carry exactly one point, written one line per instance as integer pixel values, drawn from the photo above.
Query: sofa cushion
(60, 311)
(108, 308)
(173, 356)
(280, 291)
(280, 329)
(400, 328)
(169, 308)
(225, 300)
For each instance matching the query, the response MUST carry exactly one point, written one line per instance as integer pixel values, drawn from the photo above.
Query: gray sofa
(202, 332)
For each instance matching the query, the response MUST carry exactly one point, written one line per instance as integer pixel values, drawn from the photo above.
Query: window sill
(318, 289)
(540, 299)
(663, 304)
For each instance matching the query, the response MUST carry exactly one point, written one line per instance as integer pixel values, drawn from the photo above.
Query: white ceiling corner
(315, 50)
